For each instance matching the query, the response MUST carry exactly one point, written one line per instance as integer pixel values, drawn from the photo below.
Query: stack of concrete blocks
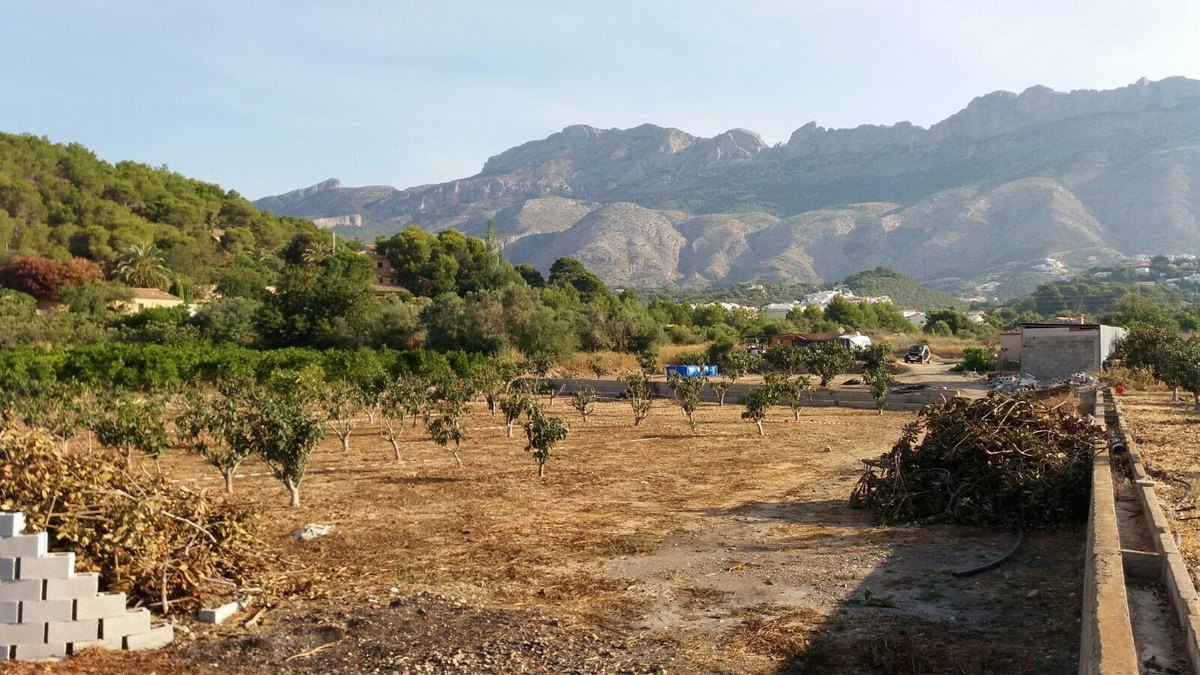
(47, 611)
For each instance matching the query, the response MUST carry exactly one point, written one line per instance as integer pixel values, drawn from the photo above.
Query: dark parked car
(918, 354)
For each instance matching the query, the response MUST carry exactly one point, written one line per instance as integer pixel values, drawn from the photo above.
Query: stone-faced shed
(1050, 351)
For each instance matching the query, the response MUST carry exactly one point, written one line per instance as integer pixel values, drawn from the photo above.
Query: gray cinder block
(30, 589)
(23, 546)
(11, 523)
(39, 652)
(49, 566)
(83, 585)
(8, 569)
(102, 606)
(22, 633)
(10, 612)
(135, 621)
(115, 644)
(219, 613)
(157, 637)
(72, 631)
(45, 611)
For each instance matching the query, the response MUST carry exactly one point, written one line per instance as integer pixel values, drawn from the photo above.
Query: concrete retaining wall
(854, 397)
(1106, 643)
(48, 611)
(1172, 568)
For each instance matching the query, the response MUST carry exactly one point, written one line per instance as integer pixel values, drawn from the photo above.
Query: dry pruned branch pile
(996, 462)
(162, 544)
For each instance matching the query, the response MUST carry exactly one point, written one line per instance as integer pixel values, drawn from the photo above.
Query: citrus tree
(283, 433)
(584, 401)
(826, 360)
(792, 391)
(687, 394)
(130, 423)
(206, 425)
(513, 407)
(640, 394)
(876, 373)
(341, 404)
(444, 421)
(543, 432)
(757, 403)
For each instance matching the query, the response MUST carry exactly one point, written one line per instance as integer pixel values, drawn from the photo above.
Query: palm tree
(142, 266)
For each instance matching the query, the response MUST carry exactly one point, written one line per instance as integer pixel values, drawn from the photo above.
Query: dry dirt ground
(1168, 436)
(645, 549)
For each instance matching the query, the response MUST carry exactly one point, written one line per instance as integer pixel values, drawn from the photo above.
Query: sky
(266, 96)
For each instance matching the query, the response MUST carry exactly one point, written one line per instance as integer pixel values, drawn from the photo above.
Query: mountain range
(982, 197)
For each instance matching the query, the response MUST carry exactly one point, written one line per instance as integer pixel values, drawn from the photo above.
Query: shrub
(976, 358)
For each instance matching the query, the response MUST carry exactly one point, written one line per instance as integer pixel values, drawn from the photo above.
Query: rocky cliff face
(1008, 181)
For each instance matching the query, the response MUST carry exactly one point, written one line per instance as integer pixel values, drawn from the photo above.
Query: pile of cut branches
(162, 544)
(996, 462)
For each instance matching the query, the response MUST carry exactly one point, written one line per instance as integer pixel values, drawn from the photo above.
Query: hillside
(903, 291)
(984, 196)
(61, 200)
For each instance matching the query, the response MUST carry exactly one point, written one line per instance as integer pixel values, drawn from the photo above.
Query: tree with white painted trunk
(584, 401)
(513, 407)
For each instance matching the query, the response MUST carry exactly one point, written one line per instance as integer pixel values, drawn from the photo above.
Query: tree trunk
(1175, 393)
(454, 452)
(128, 457)
(720, 399)
(370, 417)
(758, 423)
(541, 469)
(345, 438)
(227, 474)
(796, 415)
(395, 446)
(510, 427)
(1197, 404)
(294, 490)
(584, 414)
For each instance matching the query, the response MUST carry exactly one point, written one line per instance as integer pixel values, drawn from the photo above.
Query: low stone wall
(854, 397)
(48, 611)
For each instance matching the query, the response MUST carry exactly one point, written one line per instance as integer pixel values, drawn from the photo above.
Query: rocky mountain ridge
(983, 195)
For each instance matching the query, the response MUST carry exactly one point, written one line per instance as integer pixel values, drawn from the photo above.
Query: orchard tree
(787, 358)
(640, 393)
(412, 393)
(495, 379)
(875, 372)
(687, 394)
(584, 401)
(757, 403)
(513, 407)
(826, 360)
(791, 390)
(598, 366)
(721, 387)
(283, 433)
(444, 422)
(392, 408)
(208, 424)
(129, 424)
(543, 432)
(341, 405)
(55, 407)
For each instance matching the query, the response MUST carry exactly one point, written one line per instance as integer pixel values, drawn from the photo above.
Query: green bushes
(976, 358)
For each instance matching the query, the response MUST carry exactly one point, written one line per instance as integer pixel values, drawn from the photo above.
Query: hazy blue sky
(265, 97)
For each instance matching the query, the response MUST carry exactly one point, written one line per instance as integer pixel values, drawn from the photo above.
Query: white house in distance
(145, 298)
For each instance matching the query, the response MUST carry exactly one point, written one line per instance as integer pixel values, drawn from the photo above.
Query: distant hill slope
(982, 196)
(903, 291)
